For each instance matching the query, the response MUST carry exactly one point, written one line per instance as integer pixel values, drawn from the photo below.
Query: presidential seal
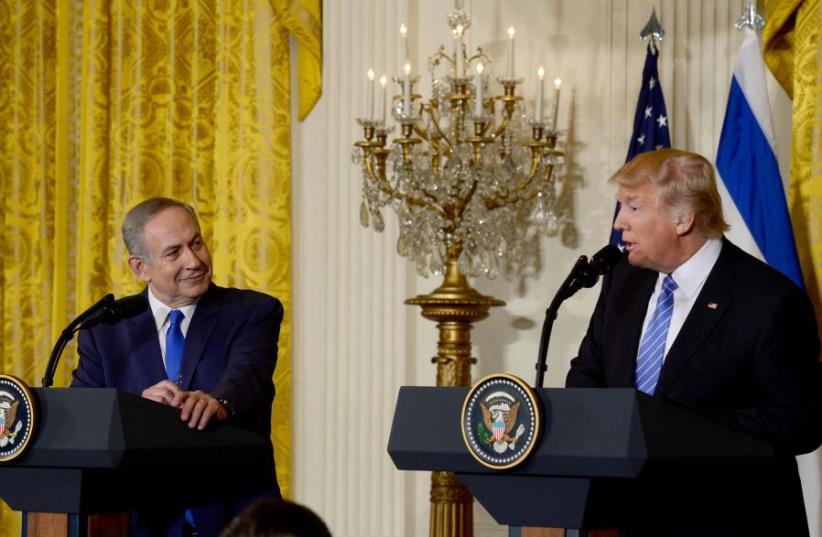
(18, 417)
(501, 421)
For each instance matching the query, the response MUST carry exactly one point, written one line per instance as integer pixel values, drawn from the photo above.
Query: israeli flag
(750, 185)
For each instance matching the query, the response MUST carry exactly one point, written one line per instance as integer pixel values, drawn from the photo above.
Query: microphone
(105, 310)
(584, 274)
(94, 308)
(601, 263)
(117, 310)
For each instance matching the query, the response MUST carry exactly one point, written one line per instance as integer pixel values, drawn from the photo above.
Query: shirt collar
(690, 275)
(160, 310)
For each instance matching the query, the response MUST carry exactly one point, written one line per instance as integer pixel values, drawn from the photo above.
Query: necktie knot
(669, 284)
(175, 317)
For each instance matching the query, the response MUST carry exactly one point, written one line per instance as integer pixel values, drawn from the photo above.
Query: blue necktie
(652, 347)
(175, 341)
(174, 346)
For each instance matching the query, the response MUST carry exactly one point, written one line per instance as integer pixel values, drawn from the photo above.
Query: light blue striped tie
(652, 348)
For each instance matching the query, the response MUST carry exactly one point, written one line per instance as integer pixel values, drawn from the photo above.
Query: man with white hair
(688, 316)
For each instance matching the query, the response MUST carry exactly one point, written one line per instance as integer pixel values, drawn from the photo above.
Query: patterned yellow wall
(104, 103)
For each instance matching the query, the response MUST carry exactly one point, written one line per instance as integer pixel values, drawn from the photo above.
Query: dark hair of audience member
(273, 517)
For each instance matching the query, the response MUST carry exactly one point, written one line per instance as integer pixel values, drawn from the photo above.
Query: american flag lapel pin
(713, 305)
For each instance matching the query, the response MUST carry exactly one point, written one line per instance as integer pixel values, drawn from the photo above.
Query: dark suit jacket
(746, 354)
(230, 352)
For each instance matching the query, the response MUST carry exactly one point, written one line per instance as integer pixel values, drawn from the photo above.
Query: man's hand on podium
(197, 407)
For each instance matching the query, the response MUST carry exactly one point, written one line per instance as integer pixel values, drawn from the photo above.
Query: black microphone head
(117, 310)
(605, 259)
(127, 307)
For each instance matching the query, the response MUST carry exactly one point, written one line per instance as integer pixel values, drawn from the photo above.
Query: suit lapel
(711, 304)
(629, 327)
(200, 329)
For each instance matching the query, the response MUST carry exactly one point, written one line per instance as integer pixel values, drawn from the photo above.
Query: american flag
(650, 120)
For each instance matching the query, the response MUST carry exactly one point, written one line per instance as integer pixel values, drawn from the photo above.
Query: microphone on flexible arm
(117, 310)
(105, 310)
(584, 274)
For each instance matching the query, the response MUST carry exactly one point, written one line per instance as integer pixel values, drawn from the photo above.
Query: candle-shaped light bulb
(406, 91)
(510, 53)
(478, 104)
(383, 82)
(557, 84)
(404, 42)
(369, 96)
(458, 51)
(540, 91)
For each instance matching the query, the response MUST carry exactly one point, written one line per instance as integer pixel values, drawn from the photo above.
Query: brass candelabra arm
(449, 147)
(406, 143)
(376, 167)
(440, 54)
(548, 172)
(536, 148)
(462, 204)
(478, 55)
(552, 153)
(509, 97)
(509, 106)
(506, 120)
(367, 146)
(523, 191)
(376, 172)
(421, 132)
(520, 194)
(479, 139)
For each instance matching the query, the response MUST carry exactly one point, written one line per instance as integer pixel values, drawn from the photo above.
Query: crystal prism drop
(363, 214)
(378, 222)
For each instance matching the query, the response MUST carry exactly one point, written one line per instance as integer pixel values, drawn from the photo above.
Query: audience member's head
(273, 517)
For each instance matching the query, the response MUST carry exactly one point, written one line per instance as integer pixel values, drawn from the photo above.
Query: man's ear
(138, 267)
(684, 223)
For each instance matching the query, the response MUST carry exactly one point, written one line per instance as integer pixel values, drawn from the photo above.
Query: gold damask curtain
(792, 44)
(104, 103)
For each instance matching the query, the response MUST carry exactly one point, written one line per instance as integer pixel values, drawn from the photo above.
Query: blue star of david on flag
(650, 120)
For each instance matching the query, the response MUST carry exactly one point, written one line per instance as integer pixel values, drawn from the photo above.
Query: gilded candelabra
(474, 185)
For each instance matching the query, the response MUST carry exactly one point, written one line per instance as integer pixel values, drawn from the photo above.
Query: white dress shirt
(160, 312)
(690, 276)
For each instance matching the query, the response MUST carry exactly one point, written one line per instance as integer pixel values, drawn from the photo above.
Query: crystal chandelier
(474, 184)
(471, 176)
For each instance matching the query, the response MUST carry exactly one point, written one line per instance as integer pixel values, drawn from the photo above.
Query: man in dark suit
(206, 350)
(688, 316)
